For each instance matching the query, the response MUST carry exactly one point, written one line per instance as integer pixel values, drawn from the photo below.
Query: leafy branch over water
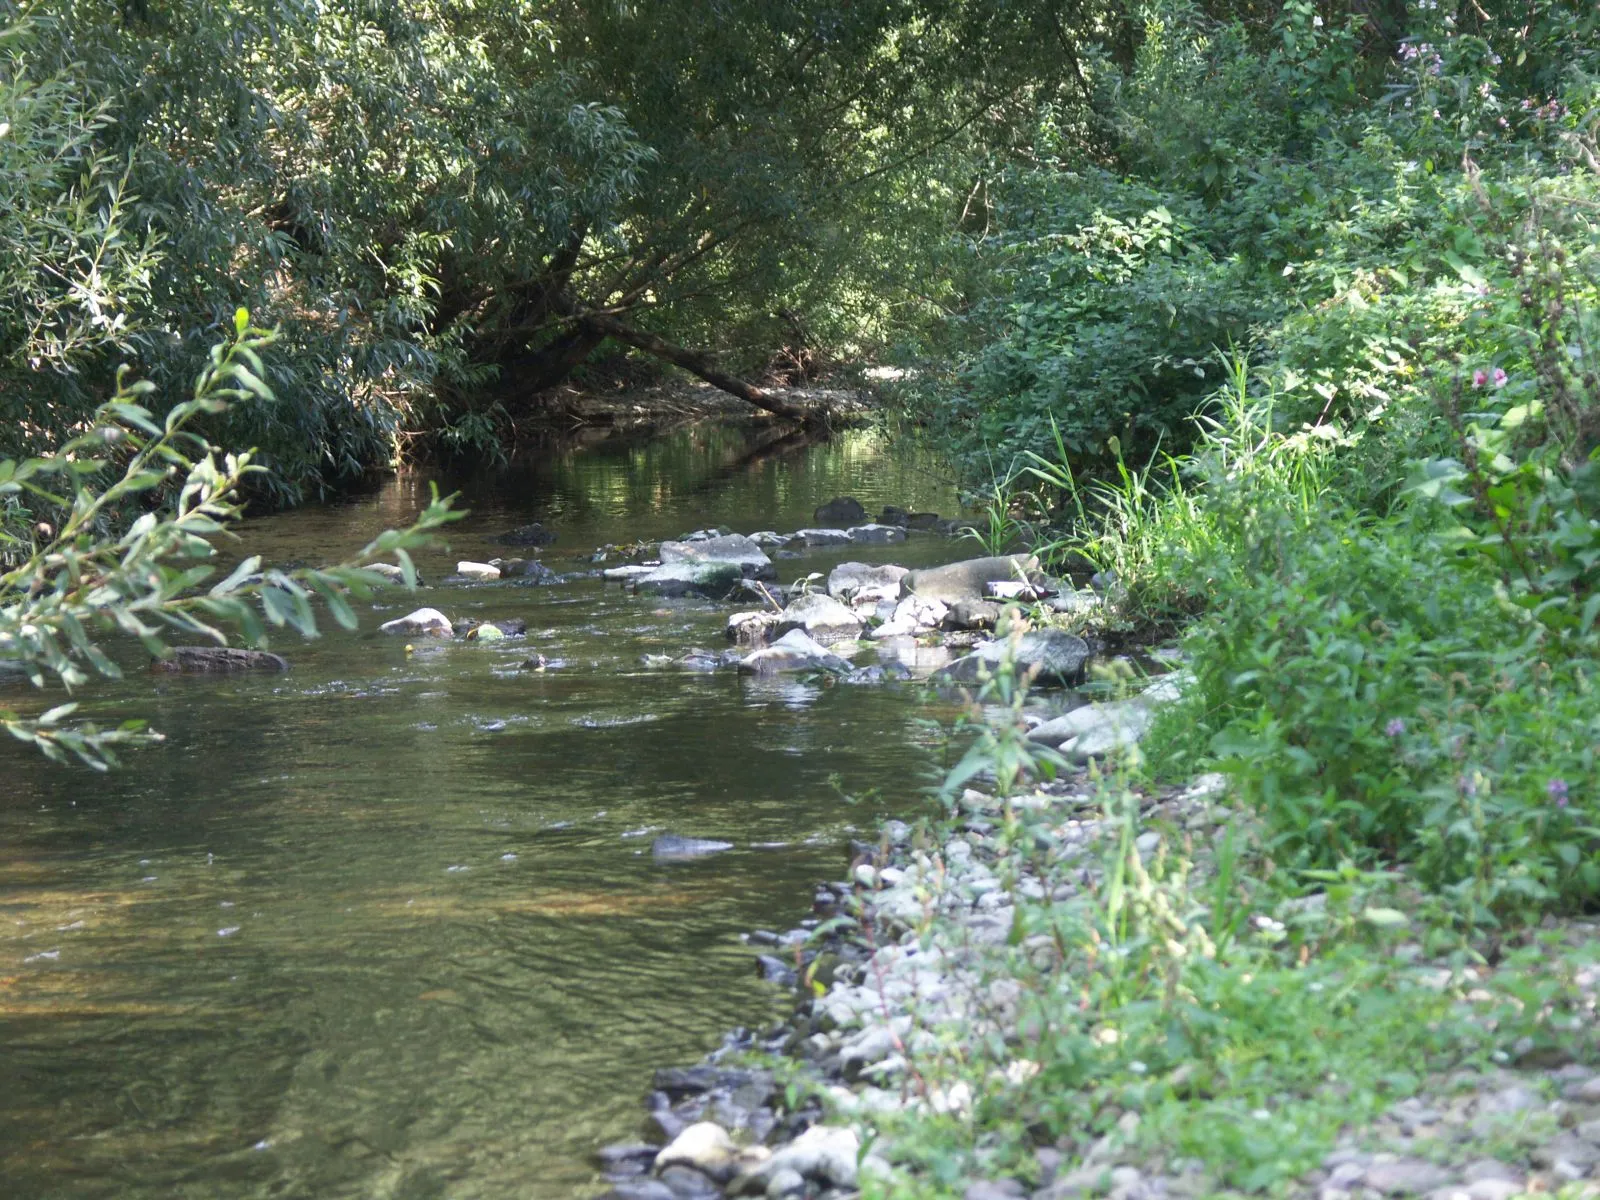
(82, 570)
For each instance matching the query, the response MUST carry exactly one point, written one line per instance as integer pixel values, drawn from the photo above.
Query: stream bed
(390, 925)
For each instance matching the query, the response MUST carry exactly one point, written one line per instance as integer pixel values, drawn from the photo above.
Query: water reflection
(390, 924)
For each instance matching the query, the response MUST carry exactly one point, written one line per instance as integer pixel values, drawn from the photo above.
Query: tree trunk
(695, 364)
(543, 369)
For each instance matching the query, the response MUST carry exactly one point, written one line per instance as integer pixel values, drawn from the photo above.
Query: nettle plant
(78, 564)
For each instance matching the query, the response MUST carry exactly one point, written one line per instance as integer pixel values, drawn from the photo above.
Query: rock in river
(393, 574)
(480, 572)
(734, 548)
(794, 651)
(429, 622)
(810, 539)
(212, 660)
(710, 580)
(842, 510)
(1054, 657)
(875, 535)
(854, 581)
(671, 846)
(821, 617)
(967, 580)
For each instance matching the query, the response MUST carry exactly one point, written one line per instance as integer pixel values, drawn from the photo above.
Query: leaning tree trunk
(695, 364)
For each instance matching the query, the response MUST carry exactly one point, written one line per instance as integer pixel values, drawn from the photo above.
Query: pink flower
(1499, 377)
(1480, 377)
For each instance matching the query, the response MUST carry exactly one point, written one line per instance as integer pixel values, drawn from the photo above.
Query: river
(389, 925)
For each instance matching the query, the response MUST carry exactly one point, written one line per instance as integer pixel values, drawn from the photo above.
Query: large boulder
(216, 660)
(862, 582)
(528, 535)
(967, 580)
(842, 510)
(821, 617)
(424, 622)
(734, 548)
(794, 651)
(708, 580)
(1052, 656)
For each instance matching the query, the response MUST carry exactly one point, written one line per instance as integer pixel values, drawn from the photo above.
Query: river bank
(1085, 986)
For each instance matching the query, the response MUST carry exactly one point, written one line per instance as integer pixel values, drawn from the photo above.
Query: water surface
(389, 926)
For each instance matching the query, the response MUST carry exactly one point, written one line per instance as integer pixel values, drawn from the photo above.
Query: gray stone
(477, 571)
(973, 614)
(1051, 656)
(735, 548)
(1489, 1168)
(705, 1146)
(968, 580)
(424, 622)
(1406, 1177)
(216, 660)
(841, 510)
(392, 574)
(785, 1181)
(813, 538)
(912, 615)
(849, 580)
(627, 573)
(1495, 1189)
(752, 628)
(670, 846)
(794, 651)
(994, 1189)
(820, 617)
(710, 580)
(875, 535)
(633, 1158)
(526, 570)
(640, 1189)
(690, 1183)
(1567, 1148)
(823, 1154)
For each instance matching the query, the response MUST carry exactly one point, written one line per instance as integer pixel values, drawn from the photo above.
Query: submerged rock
(669, 846)
(841, 510)
(1052, 655)
(733, 548)
(875, 535)
(217, 660)
(794, 651)
(525, 570)
(821, 617)
(967, 580)
(429, 622)
(528, 535)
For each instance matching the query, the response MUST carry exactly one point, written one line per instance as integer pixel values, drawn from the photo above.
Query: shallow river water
(389, 925)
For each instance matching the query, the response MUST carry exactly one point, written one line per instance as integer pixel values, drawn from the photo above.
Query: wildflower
(1557, 789)
(1485, 89)
(1316, 22)
(1499, 377)
(1480, 377)
(1504, 124)
(1494, 60)
(1395, 727)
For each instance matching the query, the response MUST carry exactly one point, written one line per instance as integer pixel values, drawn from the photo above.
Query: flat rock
(424, 622)
(968, 580)
(973, 614)
(1053, 657)
(875, 534)
(794, 651)
(735, 548)
(478, 571)
(708, 580)
(671, 846)
(217, 660)
(1406, 1177)
(841, 510)
(813, 538)
(820, 617)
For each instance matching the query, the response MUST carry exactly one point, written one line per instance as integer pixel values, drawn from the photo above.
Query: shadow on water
(389, 925)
